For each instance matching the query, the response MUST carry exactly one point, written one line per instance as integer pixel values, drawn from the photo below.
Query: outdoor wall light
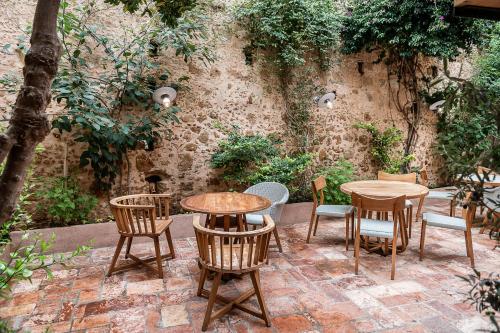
(326, 101)
(436, 106)
(165, 96)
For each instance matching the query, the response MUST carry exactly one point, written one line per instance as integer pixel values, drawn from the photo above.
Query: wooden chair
(438, 195)
(319, 209)
(236, 253)
(449, 222)
(142, 215)
(407, 178)
(379, 228)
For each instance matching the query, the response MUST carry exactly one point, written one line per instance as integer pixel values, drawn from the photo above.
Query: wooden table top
(385, 188)
(225, 203)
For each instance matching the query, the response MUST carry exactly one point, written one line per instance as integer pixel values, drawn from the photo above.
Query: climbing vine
(103, 78)
(402, 32)
(289, 34)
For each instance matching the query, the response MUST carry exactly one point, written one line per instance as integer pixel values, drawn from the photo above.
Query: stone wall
(230, 92)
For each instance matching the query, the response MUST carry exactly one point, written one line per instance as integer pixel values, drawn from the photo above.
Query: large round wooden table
(388, 189)
(225, 204)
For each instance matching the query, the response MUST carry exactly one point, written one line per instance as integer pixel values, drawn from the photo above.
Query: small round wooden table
(225, 204)
(388, 189)
(493, 180)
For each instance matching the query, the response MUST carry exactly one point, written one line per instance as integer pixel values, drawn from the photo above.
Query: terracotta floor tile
(292, 324)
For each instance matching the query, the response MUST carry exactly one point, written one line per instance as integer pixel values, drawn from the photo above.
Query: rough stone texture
(230, 92)
(307, 288)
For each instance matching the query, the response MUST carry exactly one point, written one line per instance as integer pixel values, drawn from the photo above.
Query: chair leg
(170, 243)
(347, 217)
(277, 237)
(311, 224)
(158, 256)
(129, 244)
(471, 250)
(467, 243)
(211, 301)
(422, 239)
(201, 283)
(117, 253)
(357, 240)
(255, 276)
(386, 246)
(394, 253)
(453, 205)
(409, 213)
(316, 225)
(352, 226)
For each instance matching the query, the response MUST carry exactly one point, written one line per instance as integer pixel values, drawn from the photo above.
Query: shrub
(339, 173)
(65, 202)
(384, 147)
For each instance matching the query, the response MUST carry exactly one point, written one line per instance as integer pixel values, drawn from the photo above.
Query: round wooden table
(388, 189)
(493, 180)
(225, 204)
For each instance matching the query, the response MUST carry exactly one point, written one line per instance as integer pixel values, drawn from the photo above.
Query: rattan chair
(278, 194)
(142, 215)
(383, 228)
(320, 209)
(237, 253)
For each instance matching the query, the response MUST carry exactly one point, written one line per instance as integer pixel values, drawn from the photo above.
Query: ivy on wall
(401, 32)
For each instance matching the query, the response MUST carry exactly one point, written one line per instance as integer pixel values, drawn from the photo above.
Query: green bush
(290, 29)
(339, 173)
(64, 201)
(250, 159)
(384, 148)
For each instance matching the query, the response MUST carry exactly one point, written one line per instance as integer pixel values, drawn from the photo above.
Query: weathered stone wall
(230, 92)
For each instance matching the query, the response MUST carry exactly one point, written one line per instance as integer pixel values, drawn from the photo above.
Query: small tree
(403, 32)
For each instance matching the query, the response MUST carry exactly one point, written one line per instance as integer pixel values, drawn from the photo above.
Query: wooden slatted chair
(438, 195)
(449, 222)
(320, 209)
(142, 215)
(378, 228)
(237, 253)
(407, 178)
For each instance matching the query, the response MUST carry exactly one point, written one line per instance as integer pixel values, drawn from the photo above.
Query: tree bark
(29, 124)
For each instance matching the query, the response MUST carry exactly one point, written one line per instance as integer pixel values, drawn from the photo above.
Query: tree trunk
(29, 124)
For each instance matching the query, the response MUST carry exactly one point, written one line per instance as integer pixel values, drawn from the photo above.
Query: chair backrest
(136, 214)
(424, 177)
(406, 177)
(277, 193)
(372, 204)
(233, 252)
(318, 185)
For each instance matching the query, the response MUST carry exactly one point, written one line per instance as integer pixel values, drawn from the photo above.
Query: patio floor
(308, 288)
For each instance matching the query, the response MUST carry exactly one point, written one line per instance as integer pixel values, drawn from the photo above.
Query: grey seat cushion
(443, 221)
(443, 195)
(334, 210)
(254, 219)
(376, 228)
(408, 204)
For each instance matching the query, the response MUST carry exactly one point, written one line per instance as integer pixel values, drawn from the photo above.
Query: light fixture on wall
(326, 101)
(437, 105)
(165, 96)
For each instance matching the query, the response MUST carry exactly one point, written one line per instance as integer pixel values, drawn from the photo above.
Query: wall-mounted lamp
(326, 101)
(436, 106)
(165, 96)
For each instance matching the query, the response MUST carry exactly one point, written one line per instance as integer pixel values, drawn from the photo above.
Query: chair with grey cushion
(450, 222)
(448, 195)
(320, 209)
(278, 194)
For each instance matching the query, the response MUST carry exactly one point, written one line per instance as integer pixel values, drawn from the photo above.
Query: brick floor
(308, 288)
